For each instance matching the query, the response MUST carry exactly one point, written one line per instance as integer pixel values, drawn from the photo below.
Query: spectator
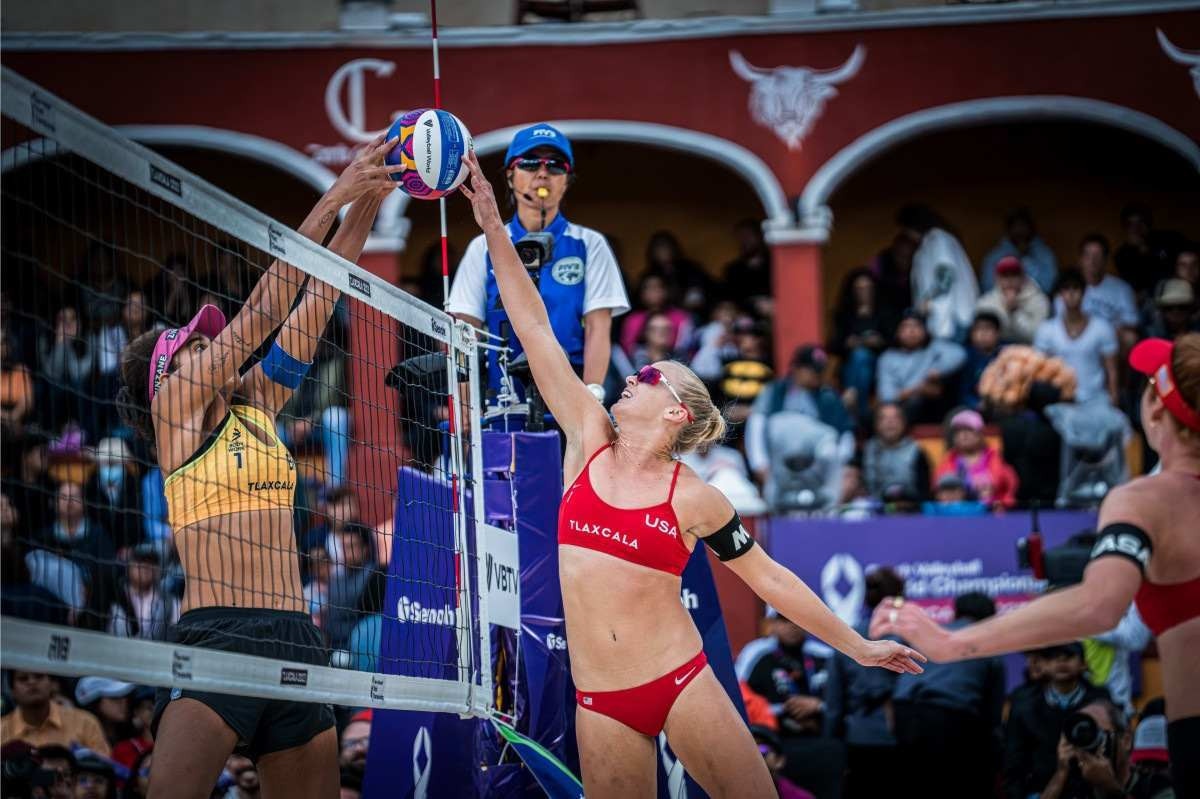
(138, 784)
(894, 468)
(656, 342)
(1027, 436)
(983, 345)
(715, 342)
(1174, 310)
(356, 741)
(1088, 344)
(16, 390)
(688, 285)
(1145, 256)
(84, 545)
(1187, 264)
(113, 495)
(948, 719)
(858, 704)
(155, 527)
(1107, 656)
(977, 463)
(1105, 296)
(243, 775)
(66, 361)
(916, 371)
(232, 275)
(107, 342)
(758, 709)
(19, 595)
(775, 668)
(95, 778)
(38, 720)
(893, 267)
(318, 571)
(748, 277)
(144, 609)
(317, 414)
(725, 468)
(943, 282)
(108, 701)
(61, 762)
(1036, 717)
(30, 489)
(951, 497)
(172, 292)
(102, 292)
(1021, 242)
(747, 373)
(803, 391)
(1018, 302)
(129, 751)
(776, 760)
(861, 330)
(1149, 759)
(340, 509)
(1086, 773)
(654, 300)
(348, 581)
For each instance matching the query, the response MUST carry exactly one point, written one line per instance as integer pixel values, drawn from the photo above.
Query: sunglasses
(555, 166)
(652, 376)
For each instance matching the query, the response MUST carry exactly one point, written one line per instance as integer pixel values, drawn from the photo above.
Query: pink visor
(209, 321)
(1152, 358)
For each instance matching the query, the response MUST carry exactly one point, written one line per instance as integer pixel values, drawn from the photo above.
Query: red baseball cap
(1152, 358)
(1010, 265)
(208, 321)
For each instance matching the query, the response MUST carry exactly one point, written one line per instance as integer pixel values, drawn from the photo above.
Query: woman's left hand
(894, 616)
(891, 655)
(483, 199)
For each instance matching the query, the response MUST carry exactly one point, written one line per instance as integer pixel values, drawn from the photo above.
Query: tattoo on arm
(241, 342)
(328, 218)
(219, 362)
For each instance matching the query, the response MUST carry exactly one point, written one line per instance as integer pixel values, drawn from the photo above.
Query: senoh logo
(359, 285)
(376, 689)
(59, 648)
(556, 643)
(166, 180)
(438, 327)
(293, 676)
(410, 611)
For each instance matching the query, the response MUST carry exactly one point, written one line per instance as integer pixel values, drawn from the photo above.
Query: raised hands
(368, 172)
(483, 199)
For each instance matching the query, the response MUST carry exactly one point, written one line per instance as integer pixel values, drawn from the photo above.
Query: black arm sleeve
(731, 541)
(1126, 541)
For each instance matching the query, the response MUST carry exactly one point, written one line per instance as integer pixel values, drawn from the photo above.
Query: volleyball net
(353, 505)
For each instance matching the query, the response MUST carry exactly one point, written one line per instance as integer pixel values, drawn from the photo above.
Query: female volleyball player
(1147, 550)
(229, 487)
(627, 526)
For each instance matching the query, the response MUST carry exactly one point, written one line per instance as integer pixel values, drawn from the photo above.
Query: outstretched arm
(787, 593)
(567, 397)
(1091, 607)
(194, 386)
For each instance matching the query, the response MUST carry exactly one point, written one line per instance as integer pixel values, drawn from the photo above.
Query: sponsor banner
(939, 559)
(501, 577)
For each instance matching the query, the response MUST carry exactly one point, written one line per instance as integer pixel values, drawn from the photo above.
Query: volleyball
(432, 144)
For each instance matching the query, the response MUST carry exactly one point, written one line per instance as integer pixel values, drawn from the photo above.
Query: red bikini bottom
(644, 707)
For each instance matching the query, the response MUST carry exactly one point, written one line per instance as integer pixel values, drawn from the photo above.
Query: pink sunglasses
(652, 376)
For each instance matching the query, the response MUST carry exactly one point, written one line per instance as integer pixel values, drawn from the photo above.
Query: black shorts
(262, 725)
(1183, 743)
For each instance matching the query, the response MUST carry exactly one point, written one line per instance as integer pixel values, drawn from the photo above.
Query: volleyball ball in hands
(431, 148)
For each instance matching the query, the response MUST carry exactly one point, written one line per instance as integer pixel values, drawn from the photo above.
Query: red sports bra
(1164, 606)
(649, 537)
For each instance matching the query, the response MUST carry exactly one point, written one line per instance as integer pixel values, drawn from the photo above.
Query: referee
(580, 283)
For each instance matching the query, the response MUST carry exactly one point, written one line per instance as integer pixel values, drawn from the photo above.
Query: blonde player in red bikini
(1147, 550)
(627, 526)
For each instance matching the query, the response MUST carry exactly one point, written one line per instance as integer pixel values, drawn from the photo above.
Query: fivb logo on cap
(550, 133)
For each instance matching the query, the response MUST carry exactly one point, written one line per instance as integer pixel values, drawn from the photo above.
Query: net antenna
(415, 637)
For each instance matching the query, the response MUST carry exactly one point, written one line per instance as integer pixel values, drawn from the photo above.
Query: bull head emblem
(788, 100)
(1189, 58)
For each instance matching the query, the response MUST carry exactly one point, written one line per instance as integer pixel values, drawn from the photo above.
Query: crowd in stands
(92, 738)
(941, 388)
(834, 728)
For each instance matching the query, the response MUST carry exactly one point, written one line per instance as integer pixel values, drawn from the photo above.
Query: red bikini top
(1164, 606)
(649, 537)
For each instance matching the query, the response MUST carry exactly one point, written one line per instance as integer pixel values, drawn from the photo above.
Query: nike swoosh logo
(679, 680)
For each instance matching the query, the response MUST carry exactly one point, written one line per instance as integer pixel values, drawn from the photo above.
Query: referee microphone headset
(542, 193)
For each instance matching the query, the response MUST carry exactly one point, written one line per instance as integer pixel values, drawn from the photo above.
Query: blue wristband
(282, 368)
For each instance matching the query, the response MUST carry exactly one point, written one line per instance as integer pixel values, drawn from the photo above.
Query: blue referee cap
(539, 135)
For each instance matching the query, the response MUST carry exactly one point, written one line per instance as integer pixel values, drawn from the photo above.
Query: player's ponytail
(708, 425)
